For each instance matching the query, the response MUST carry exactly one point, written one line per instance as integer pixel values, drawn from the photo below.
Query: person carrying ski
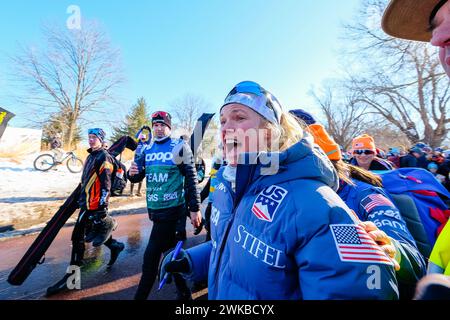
(93, 202)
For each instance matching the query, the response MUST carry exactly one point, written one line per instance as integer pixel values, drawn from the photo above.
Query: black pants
(161, 240)
(78, 234)
(208, 221)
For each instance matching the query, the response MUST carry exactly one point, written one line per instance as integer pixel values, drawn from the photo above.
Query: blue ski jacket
(285, 236)
(371, 203)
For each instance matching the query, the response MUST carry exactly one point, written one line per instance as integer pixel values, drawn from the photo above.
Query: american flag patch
(375, 200)
(355, 245)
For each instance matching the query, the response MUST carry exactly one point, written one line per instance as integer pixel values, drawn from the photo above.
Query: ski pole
(174, 257)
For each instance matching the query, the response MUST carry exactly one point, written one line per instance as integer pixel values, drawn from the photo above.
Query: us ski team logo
(267, 203)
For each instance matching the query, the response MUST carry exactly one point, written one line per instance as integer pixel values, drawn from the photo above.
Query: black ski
(37, 250)
(39, 247)
(199, 132)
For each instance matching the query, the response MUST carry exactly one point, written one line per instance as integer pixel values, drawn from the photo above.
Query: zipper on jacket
(236, 202)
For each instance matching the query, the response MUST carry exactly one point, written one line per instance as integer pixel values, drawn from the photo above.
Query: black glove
(99, 214)
(181, 265)
(178, 266)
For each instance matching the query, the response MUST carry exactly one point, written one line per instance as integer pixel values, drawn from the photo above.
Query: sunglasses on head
(366, 152)
(250, 87)
(161, 114)
(95, 131)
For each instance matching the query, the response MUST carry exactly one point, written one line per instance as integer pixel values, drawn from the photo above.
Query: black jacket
(96, 180)
(408, 161)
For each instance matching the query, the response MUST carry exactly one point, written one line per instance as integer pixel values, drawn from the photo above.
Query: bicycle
(45, 162)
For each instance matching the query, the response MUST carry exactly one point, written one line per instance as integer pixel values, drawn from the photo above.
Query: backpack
(428, 195)
(118, 177)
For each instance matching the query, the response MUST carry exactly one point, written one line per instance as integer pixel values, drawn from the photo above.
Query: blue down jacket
(374, 204)
(288, 236)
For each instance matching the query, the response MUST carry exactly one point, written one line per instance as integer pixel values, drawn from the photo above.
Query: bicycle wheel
(74, 164)
(44, 162)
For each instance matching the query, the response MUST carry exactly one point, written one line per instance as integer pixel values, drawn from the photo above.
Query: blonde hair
(288, 133)
(347, 172)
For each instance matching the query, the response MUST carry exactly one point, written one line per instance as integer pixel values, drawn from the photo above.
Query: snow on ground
(20, 182)
(23, 189)
(29, 197)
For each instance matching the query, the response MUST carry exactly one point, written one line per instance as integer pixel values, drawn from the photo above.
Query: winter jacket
(168, 168)
(373, 204)
(440, 256)
(422, 162)
(96, 180)
(408, 161)
(377, 164)
(284, 236)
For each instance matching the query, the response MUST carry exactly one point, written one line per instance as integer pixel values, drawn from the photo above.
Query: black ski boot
(116, 248)
(103, 228)
(184, 296)
(91, 233)
(58, 287)
(184, 293)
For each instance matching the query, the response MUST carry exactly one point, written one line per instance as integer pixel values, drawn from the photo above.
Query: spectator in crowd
(410, 160)
(143, 142)
(363, 192)
(393, 156)
(364, 155)
(427, 21)
(56, 147)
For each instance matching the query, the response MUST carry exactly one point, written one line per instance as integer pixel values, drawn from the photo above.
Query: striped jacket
(96, 180)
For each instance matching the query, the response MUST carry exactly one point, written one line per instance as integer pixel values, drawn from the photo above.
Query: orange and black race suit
(96, 180)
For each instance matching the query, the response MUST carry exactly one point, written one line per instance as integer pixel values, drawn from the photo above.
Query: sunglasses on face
(361, 152)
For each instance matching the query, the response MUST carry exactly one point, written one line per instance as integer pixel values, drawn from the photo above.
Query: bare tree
(345, 119)
(76, 73)
(402, 81)
(210, 142)
(387, 136)
(186, 111)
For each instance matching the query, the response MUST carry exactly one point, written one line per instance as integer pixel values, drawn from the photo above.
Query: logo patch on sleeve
(268, 202)
(376, 200)
(355, 245)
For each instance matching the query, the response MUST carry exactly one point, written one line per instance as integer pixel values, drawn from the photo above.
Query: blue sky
(203, 47)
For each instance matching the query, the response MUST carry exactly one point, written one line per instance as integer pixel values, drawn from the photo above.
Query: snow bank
(21, 186)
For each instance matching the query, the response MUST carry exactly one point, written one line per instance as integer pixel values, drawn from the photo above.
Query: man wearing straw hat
(426, 21)
(421, 20)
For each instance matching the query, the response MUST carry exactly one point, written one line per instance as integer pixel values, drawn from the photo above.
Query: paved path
(98, 283)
